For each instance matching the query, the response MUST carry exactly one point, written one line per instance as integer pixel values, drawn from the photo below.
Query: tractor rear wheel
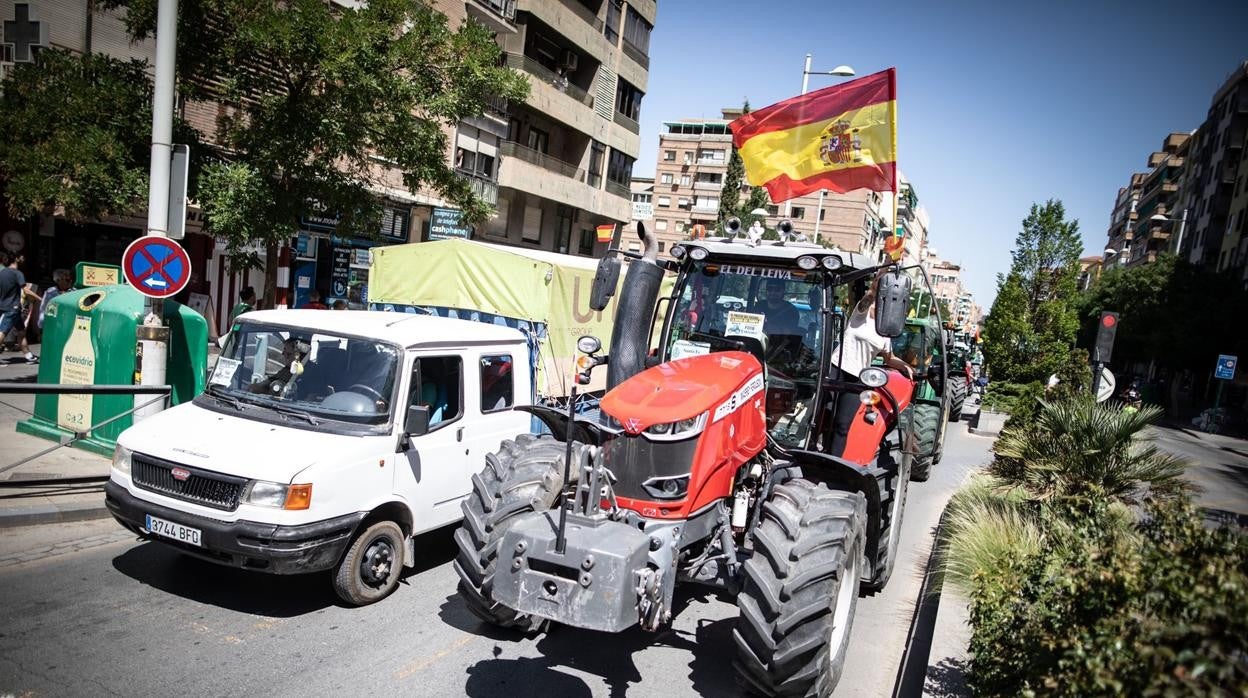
(926, 420)
(800, 590)
(957, 397)
(524, 476)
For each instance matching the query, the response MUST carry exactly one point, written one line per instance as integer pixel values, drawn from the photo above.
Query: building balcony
(636, 54)
(621, 190)
(537, 180)
(708, 186)
(498, 15)
(698, 208)
(584, 13)
(542, 160)
(549, 77)
(486, 189)
(574, 22)
(627, 122)
(711, 162)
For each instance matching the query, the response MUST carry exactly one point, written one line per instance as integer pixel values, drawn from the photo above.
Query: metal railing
(584, 13)
(708, 186)
(522, 62)
(506, 9)
(636, 54)
(162, 393)
(485, 188)
(619, 189)
(542, 160)
(627, 122)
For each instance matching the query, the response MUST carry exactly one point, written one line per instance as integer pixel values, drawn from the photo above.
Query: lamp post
(840, 71)
(1178, 241)
(1123, 254)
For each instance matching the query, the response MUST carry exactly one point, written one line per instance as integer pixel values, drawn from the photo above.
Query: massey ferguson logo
(180, 474)
(633, 425)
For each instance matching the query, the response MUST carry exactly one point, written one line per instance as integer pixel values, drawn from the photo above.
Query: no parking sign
(158, 267)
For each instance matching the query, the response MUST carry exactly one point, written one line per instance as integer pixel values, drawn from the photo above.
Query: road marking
(427, 661)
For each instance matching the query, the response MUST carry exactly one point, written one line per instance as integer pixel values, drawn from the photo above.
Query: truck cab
(325, 441)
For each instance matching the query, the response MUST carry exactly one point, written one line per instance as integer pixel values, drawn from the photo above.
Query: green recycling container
(89, 338)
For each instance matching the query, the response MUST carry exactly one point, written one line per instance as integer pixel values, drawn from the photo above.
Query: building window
(586, 246)
(682, 202)
(669, 155)
(660, 224)
(684, 180)
(662, 245)
(619, 168)
(688, 157)
(711, 156)
(637, 31)
(705, 202)
(773, 210)
(665, 178)
(821, 212)
(593, 177)
(799, 212)
(710, 178)
(538, 139)
(628, 99)
(665, 201)
(611, 28)
(532, 231)
(680, 226)
(564, 217)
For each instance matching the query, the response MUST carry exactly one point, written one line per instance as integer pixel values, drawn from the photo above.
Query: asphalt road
(1217, 465)
(90, 611)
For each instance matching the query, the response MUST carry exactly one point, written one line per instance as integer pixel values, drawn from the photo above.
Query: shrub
(1001, 396)
(1160, 611)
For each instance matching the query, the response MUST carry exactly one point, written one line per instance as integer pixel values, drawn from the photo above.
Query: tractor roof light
(807, 262)
(873, 377)
(698, 254)
(832, 262)
(678, 251)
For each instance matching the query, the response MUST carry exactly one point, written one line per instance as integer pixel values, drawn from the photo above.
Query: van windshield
(310, 374)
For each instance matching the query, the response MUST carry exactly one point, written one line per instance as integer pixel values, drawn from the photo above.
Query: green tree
(77, 135)
(757, 199)
(323, 105)
(1032, 323)
(730, 194)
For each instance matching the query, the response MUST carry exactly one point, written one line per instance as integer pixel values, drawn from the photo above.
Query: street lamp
(840, 71)
(1124, 253)
(1178, 241)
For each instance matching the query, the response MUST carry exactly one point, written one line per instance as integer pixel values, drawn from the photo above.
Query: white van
(325, 441)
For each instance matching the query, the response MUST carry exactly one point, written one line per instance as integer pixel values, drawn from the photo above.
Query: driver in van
(293, 351)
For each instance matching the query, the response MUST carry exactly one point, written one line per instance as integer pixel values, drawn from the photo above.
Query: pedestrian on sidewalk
(13, 290)
(62, 280)
(314, 302)
(246, 303)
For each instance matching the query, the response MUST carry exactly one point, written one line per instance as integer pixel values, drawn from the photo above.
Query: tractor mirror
(891, 301)
(605, 281)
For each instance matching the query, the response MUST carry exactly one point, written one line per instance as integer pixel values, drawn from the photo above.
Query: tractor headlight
(832, 262)
(667, 487)
(681, 429)
(698, 254)
(873, 377)
(678, 251)
(807, 262)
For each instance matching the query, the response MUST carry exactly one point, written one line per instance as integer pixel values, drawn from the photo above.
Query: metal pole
(1097, 367)
(788, 205)
(153, 336)
(1178, 242)
(819, 213)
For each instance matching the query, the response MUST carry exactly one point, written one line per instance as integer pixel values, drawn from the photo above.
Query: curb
(52, 513)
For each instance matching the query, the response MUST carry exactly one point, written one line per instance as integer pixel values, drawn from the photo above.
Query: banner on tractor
(839, 138)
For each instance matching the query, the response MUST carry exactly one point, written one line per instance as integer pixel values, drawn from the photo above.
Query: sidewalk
(64, 485)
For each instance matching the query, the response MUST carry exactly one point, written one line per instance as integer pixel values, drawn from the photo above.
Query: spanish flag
(840, 138)
(606, 231)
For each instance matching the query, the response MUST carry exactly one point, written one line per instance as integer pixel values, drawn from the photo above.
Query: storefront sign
(305, 246)
(445, 224)
(318, 218)
(395, 223)
(340, 272)
(359, 257)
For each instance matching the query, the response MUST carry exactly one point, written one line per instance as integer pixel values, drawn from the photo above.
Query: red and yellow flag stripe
(840, 138)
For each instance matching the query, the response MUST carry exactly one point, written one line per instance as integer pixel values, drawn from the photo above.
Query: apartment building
(1122, 220)
(1140, 225)
(554, 166)
(1089, 271)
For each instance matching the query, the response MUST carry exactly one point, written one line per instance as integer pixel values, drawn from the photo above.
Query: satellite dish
(1107, 385)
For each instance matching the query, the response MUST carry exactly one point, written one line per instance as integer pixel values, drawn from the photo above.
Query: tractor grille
(202, 487)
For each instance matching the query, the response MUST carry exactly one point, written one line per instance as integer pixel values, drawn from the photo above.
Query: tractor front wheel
(524, 476)
(801, 589)
(926, 421)
(957, 398)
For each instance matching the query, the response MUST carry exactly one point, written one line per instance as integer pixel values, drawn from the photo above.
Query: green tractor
(922, 345)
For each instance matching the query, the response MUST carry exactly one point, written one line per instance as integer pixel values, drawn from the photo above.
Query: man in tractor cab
(781, 316)
(861, 347)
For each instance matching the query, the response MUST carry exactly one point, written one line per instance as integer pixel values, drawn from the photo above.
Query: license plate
(176, 531)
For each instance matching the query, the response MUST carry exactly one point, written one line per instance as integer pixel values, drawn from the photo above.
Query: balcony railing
(619, 189)
(636, 54)
(542, 160)
(505, 9)
(627, 123)
(708, 186)
(701, 208)
(496, 107)
(713, 161)
(548, 76)
(583, 12)
(485, 188)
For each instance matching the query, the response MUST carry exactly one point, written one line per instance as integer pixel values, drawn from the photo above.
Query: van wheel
(370, 570)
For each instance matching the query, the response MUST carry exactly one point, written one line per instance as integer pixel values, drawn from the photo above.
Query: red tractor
(711, 463)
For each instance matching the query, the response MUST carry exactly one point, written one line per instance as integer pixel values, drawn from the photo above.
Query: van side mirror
(891, 301)
(417, 422)
(605, 281)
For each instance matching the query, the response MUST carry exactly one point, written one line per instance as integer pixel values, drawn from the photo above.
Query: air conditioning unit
(571, 60)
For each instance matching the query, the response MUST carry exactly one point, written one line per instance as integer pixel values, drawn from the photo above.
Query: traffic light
(1105, 331)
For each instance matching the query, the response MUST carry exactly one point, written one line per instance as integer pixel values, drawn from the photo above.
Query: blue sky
(1000, 104)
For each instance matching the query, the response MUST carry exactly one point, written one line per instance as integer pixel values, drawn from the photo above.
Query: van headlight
(682, 429)
(262, 493)
(121, 459)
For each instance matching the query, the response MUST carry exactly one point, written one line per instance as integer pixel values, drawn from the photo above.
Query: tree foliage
(326, 106)
(1033, 321)
(730, 194)
(77, 136)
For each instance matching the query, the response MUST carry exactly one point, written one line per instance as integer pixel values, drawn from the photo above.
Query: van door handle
(459, 434)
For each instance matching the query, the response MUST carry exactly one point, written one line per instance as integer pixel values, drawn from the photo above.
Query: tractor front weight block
(593, 584)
